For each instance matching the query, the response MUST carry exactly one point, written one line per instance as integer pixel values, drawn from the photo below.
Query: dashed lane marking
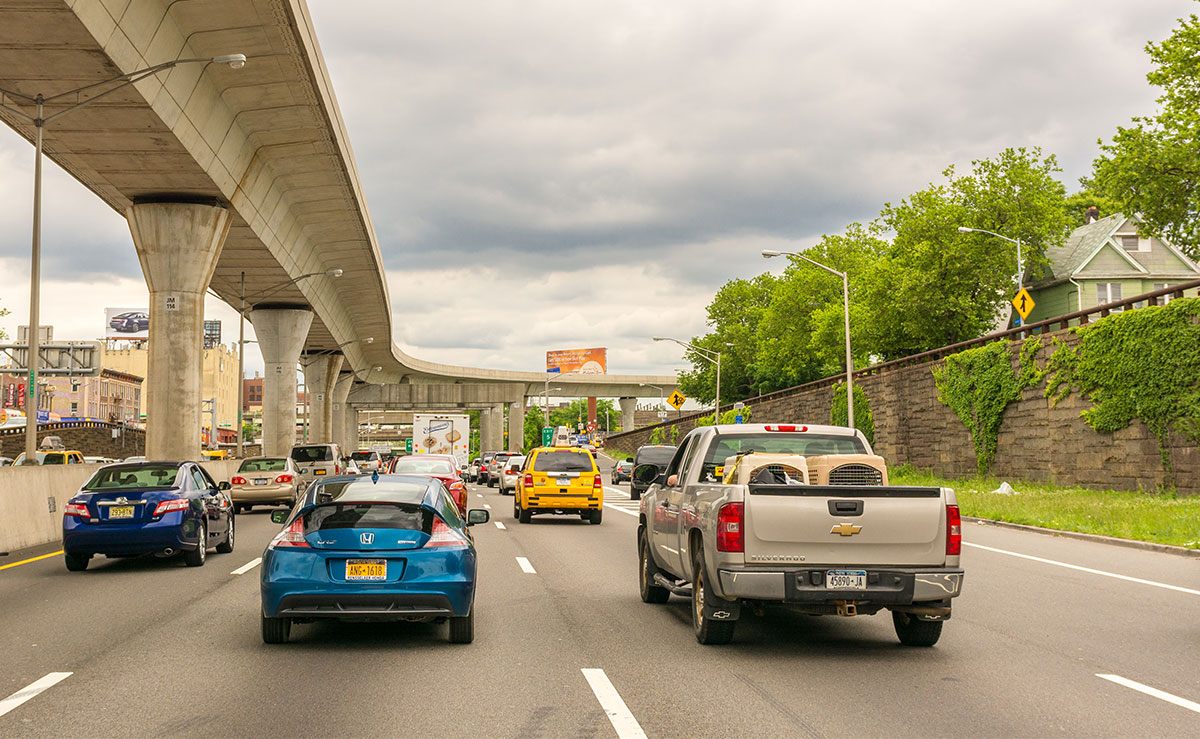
(31, 690)
(525, 566)
(633, 509)
(32, 559)
(1153, 692)
(499, 525)
(487, 505)
(1102, 573)
(248, 566)
(614, 707)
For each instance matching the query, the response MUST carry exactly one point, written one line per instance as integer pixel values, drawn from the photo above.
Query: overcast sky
(564, 174)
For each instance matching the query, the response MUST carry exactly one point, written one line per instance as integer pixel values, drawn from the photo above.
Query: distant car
(622, 471)
(485, 461)
(6, 461)
(53, 457)
(441, 466)
(98, 460)
(315, 461)
(161, 508)
(130, 323)
(473, 470)
(496, 467)
(265, 481)
(655, 454)
(510, 473)
(135, 459)
(368, 460)
(394, 548)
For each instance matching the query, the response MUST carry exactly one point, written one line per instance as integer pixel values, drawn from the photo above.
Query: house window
(1108, 292)
(74, 409)
(1162, 299)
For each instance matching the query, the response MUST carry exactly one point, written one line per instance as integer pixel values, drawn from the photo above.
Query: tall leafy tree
(733, 314)
(1152, 167)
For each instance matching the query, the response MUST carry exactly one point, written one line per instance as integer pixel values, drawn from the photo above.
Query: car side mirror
(629, 459)
(223, 485)
(478, 515)
(279, 516)
(646, 474)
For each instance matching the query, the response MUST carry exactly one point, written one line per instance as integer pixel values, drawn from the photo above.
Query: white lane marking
(478, 495)
(487, 505)
(635, 514)
(610, 700)
(499, 525)
(248, 566)
(1102, 573)
(525, 566)
(31, 690)
(1155, 692)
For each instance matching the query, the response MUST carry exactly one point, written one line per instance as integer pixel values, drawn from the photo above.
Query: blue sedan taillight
(174, 504)
(78, 510)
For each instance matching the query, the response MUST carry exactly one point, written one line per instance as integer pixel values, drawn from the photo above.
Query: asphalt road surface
(1051, 637)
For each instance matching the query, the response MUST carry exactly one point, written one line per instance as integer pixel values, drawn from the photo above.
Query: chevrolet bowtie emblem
(845, 529)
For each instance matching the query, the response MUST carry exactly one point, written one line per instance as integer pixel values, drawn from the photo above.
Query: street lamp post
(1020, 264)
(39, 121)
(711, 356)
(767, 254)
(242, 335)
(546, 392)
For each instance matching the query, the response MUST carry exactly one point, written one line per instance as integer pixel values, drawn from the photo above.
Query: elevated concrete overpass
(227, 174)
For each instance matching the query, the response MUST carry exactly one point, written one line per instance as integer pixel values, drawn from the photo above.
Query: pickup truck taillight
(953, 530)
(729, 528)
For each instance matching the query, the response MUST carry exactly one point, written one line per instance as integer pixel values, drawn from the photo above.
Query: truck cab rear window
(808, 445)
(562, 462)
(367, 516)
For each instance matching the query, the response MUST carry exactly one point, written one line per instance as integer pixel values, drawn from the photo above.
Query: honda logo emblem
(367, 538)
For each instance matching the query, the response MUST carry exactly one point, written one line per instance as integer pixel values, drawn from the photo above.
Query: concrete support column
(516, 426)
(178, 245)
(628, 407)
(350, 432)
(320, 376)
(486, 441)
(498, 426)
(281, 333)
(338, 412)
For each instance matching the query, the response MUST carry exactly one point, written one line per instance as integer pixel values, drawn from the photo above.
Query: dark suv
(657, 455)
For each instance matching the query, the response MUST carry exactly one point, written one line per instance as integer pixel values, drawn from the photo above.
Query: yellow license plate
(318, 472)
(370, 569)
(125, 511)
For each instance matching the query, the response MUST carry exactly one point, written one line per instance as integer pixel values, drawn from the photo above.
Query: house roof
(1081, 245)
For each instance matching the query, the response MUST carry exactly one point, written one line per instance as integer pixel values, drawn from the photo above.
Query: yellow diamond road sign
(1023, 302)
(676, 399)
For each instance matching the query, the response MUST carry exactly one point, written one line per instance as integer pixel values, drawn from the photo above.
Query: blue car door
(214, 510)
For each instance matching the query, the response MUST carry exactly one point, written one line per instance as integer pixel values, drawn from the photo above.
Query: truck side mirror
(646, 474)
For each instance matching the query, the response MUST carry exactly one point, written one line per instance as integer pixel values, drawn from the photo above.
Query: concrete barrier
(32, 499)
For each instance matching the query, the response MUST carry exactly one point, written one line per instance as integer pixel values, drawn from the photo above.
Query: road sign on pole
(408, 446)
(547, 436)
(1023, 302)
(676, 399)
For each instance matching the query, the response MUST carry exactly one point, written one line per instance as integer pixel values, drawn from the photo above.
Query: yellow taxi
(561, 480)
(53, 456)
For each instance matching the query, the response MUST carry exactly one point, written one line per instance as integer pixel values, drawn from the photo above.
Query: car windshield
(768, 442)
(133, 477)
(277, 464)
(562, 462)
(659, 455)
(418, 466)
(319, 453)
(362, 456)
(368, 516)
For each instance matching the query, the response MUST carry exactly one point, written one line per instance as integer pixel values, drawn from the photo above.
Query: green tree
(1152, 167)
(936, 286)
(733, 314)
(575, 412)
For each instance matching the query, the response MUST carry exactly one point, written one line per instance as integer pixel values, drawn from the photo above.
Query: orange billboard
(583, 361)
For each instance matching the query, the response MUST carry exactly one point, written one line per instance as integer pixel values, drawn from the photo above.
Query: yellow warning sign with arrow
(1023, 302)
(676, 399)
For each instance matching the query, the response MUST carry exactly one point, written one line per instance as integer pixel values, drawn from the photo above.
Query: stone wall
(93, 440)
(1037, 442)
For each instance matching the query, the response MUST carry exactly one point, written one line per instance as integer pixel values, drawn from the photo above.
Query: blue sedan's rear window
(368, 516)
(133, 477)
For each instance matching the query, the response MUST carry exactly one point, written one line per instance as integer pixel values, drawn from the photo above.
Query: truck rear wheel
(647, 569)
(914, 632)
(707, 630)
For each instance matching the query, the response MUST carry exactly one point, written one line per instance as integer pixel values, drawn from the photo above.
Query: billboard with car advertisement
(126, 323)
(582, 361)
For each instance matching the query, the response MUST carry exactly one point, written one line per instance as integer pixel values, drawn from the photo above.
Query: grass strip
(1163, 518)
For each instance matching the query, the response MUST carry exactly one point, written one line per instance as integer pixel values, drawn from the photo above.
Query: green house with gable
(1106, 261)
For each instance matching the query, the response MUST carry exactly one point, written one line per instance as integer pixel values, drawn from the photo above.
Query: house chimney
(1093, 214)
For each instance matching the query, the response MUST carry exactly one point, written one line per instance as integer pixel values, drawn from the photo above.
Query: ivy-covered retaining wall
(1036, 439)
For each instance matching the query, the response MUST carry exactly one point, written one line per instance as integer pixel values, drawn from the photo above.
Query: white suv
(510, 473)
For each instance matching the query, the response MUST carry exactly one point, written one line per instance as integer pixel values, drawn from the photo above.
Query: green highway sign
(408, 446)
(547, 436)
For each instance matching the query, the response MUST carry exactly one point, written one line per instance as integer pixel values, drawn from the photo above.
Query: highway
(565, 648)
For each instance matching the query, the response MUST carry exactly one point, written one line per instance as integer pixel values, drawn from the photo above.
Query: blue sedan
(162, 508)
(372, 548)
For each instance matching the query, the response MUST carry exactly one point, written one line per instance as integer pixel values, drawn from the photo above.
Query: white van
(317, 461)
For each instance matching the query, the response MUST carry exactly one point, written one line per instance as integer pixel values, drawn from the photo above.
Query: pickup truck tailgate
(845, 525)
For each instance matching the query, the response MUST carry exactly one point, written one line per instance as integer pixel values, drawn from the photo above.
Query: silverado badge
(846, 529)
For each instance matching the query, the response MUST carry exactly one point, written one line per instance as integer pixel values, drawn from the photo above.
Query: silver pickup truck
(750, 515)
